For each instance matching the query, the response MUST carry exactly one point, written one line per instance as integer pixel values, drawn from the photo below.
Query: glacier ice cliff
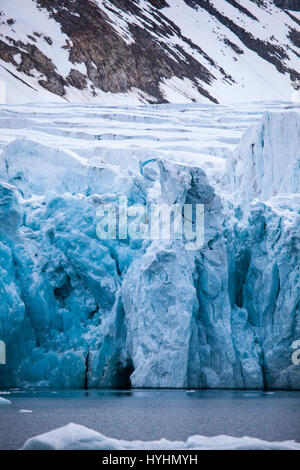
(77, 311)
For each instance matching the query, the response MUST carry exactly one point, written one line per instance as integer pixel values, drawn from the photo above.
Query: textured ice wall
(267, 161)
(76, 311)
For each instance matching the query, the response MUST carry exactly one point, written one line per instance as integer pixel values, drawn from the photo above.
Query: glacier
(77, 311)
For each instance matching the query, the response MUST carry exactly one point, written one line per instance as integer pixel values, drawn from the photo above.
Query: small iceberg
(78, 437)
(4, 401)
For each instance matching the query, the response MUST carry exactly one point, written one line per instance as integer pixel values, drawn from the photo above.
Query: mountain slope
(134, 51)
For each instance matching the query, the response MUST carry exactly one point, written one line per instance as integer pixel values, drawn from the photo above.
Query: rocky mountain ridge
(156, 51)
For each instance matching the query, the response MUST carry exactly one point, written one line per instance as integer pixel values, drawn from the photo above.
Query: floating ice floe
(4, 401)
(78, 437)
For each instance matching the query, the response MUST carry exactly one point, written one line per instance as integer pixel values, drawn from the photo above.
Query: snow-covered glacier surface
(78, 311)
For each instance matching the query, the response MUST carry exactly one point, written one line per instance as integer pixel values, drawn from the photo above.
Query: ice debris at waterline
(78, 437)
(77, 311)
(4, 401)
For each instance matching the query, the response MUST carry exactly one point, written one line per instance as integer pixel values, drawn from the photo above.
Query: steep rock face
(288, 4)
(144, 51)
(77, 311)
(112, 65)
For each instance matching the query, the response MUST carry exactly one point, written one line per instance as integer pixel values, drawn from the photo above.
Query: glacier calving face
(77, 311)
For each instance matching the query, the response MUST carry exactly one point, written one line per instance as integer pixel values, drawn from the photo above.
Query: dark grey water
(152, 414)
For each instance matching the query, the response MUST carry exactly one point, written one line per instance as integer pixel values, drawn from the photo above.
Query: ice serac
(265, 178)
(77, 311)
(267, 161)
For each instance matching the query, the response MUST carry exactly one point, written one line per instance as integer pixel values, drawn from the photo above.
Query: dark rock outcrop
(288, 4)
(156, 52)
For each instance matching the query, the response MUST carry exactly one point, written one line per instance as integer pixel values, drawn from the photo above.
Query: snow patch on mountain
(141, 51)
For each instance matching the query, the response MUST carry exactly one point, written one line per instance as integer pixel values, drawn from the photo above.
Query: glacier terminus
(77, 311)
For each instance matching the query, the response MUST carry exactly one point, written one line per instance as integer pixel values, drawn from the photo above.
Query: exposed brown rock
(33, 59)
(295, 37)
(112, 65)
(233, 46)
(77, 79)
(288, 4)
(48, 40)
